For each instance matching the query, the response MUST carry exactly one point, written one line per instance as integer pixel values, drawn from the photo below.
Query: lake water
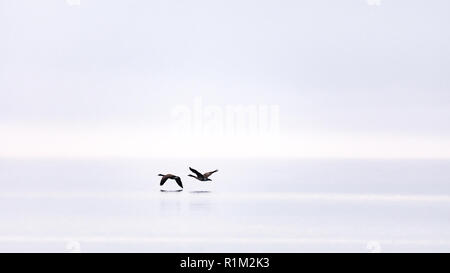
(252, 205)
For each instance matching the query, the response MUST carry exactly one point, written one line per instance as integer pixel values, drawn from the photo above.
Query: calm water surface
(251, 206)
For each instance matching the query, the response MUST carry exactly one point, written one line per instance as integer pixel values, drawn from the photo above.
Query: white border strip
(221, 240)
(333, 197)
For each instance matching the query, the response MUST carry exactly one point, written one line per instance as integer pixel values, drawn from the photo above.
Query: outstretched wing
(206, 175)
(164, 179)
(178, 180)
(199, 175)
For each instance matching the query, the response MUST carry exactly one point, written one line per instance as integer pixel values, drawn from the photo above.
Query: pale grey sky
(342, 68)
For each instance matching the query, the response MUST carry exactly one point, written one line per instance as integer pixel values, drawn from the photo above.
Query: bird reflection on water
(198, 192)
(171, 191)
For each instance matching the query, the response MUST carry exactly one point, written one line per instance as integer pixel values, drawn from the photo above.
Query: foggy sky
(332, 67)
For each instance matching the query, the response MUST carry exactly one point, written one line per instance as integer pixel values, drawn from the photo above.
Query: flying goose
(201, 177)
(170, 176)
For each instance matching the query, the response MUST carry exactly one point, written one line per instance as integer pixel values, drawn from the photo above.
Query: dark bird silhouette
(170, 176)
(201, 177)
